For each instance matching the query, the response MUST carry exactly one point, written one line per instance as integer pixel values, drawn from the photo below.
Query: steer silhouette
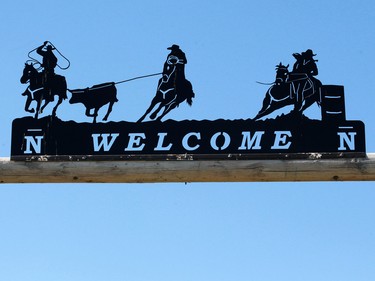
(95, 97)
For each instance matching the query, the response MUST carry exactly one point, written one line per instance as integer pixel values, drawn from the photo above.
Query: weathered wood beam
(342, 169)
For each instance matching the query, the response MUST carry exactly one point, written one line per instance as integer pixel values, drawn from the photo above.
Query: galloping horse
(172, 89)
(290, 88)
(38, 92)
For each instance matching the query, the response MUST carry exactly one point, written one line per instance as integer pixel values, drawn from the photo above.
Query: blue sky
(210, 231)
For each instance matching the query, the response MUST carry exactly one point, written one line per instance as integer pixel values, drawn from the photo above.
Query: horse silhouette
(37, 89)
(290, 88)
(172, 89)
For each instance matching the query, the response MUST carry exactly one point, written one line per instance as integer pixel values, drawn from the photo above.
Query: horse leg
(95, 114)
(266, 112)
(56, 106)
(37, 109)
(44, 106)
(155, 113)
(309, 100)
(154, 101)
(266, 104)
(28, 102)
(299, 95)
(109, 110)
(167, 110)
(274, 106)
(87, 112)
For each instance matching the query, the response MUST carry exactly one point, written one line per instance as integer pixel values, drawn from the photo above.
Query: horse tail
(189, 92)
(189, 98)
(189, 101)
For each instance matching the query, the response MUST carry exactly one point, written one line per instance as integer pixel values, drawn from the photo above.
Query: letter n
(348, 139)
(105, 143)
(34, 142)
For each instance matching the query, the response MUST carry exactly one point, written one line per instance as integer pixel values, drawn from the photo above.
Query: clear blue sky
(227, 231)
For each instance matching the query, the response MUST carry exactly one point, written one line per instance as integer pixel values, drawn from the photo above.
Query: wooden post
(342, 169)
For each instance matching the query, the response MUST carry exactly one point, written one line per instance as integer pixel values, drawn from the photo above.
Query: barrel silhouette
(333, 103)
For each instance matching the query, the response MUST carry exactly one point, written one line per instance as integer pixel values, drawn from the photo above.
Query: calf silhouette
(95, 97)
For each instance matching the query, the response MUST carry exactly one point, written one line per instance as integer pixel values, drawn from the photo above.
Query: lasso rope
(37, 61)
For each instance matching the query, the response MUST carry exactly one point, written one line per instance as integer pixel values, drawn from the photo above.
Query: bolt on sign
(291, 135)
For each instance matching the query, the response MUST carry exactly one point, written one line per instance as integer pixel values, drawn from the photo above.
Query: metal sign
(291, 135)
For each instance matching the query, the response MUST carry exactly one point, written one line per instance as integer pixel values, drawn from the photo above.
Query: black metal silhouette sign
(289, 135)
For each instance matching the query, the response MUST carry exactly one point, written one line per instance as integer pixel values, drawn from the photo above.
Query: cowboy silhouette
(175, 57)
(49, 63)
(305, 63)
(302, 76)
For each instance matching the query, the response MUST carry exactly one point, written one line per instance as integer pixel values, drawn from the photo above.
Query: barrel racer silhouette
(287, 89)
